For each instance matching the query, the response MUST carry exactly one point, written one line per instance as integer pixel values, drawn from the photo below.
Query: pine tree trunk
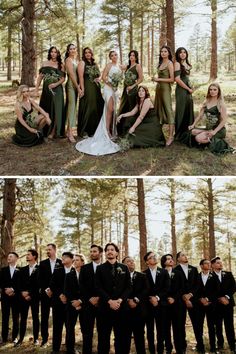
(119, 38)
(83, 21)
(8, 216)
(142, 222)
(28, 45)
(9, 52)
(77, 33)
(173, 221)
(149, 47)
(153, 46)
(141, 39)
(130, 30)
(170, 25)
(214, 69)
(211, 226)
(162, 27)
(126, 223)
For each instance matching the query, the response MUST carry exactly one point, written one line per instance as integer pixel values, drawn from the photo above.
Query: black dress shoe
(18, 344)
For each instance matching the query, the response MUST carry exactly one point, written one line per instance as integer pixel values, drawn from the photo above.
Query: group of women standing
(139, 120)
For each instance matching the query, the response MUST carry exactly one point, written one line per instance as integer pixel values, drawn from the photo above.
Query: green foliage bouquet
(115, 79)
(130, 78)
(93, 72)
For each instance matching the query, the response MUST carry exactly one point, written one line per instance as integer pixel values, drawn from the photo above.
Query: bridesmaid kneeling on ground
(215, 113)
(30, 119)
(144, 128)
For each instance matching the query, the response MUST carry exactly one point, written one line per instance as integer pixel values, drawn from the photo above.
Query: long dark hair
(177, 58)
(92, 57)
(136, 58)
(169, 56)
(68, 49)
(59, 60)
(147, 94)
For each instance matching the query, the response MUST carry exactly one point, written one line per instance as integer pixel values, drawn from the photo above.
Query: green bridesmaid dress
(184, 115)
(52, 101)
(128, 100)
(71, 98)
(90, 105)
(163, 103)
(148, 133)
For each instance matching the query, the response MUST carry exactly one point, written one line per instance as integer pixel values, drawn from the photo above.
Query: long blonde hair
(19, 95)
(220, 98)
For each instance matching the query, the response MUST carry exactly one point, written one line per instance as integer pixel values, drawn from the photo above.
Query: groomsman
(29, 289)
(225, 304)
(206, 303)
(73, 306)
(90, 298)
(9, 282)
(59, 299)
(137, 307)
(158, 280)
(174, 304)
(46, 270)
(190, 275)
(114, 287)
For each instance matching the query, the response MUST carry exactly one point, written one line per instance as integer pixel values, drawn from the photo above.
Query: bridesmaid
(52, 99)
(143, 126)
(133, 77)
(91, 101)
(184, 114)
(30, 119)
(163, 104)
(72, 89)
(215, 113)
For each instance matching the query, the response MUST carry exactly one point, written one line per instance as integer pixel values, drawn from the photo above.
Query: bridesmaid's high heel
(169, 141)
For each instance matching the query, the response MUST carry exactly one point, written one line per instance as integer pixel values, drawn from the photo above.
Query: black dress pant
(225, 313)
(209, 313)
(71, 319)
(10, 304)
(46, 304)
(173, 319)
(25, 305)
(88, 316)
(59, 319)
(193, 317)
(135, 325)
(108, 320)
(156, 315)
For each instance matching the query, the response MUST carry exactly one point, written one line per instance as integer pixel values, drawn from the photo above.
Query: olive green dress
(184, 115)
(163, 103)
(71, 98)
(52, 101)
(217, 144)
(90, 105)
(148, 133)
(128, 100)
(23, 136)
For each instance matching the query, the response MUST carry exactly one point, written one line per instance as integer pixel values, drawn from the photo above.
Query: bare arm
(105, 74)
(179, 81)
(128, 114)
(140, 77)
(70, 72)
(81, 67)
(21, 120)
(38, 108)
(146, 106)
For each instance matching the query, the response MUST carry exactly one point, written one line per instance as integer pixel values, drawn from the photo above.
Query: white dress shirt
(52, 264)
(12, 270)
(31, 268)
(153, 273)
(185, 269)
(204, 277)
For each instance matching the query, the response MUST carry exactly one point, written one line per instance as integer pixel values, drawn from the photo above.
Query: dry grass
(59, 157)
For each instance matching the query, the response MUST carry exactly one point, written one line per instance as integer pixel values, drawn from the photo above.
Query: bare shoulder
(177, 65)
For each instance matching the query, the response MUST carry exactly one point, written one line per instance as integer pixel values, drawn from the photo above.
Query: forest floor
(60, 158)
(28, 346)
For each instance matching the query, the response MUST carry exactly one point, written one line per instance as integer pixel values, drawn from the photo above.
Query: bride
(101, 143)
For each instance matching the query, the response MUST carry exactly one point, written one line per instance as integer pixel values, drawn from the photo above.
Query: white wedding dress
(100, 143)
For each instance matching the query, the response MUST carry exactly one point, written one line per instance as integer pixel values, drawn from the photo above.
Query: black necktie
(113, 270)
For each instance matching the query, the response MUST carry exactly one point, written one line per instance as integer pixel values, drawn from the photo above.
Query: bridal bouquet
(130, 78)
(93, 72)
(115, 79)
(51, 78)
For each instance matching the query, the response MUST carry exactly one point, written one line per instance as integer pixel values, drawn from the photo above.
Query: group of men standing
(113, 295)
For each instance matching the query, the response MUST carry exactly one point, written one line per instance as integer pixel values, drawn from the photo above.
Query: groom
(114, 286)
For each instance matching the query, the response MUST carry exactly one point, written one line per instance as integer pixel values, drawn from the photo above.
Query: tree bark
(214, 68)
(28, 45)
(211, 226)
(162, 27)
(77, 33)
(8, 219)
(152, 50)
(170, 25)
(141, 39)
(130, 29)
(126, 224)
(9, 52)
(142, 222)
(172, 213)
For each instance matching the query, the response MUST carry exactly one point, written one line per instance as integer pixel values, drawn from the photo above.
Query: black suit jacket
(87, 282)
(57, 284)
(7, 282)
(209, 290)
(45, 273)
(190, 284)
(72, 286)
(227, 286)
(161, 286)
(109, 287)
(140, 289)
(176, 286)
(28, 282)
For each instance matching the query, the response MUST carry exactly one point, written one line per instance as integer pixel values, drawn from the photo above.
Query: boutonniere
(120, 270)
(158, 271)
(172, 275)
(57, 264)
(223, 273)
(134, 276)
(16, 269)
(189, 270)
(210, 275)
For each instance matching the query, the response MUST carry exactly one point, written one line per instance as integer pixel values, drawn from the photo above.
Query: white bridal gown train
(100, 143)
